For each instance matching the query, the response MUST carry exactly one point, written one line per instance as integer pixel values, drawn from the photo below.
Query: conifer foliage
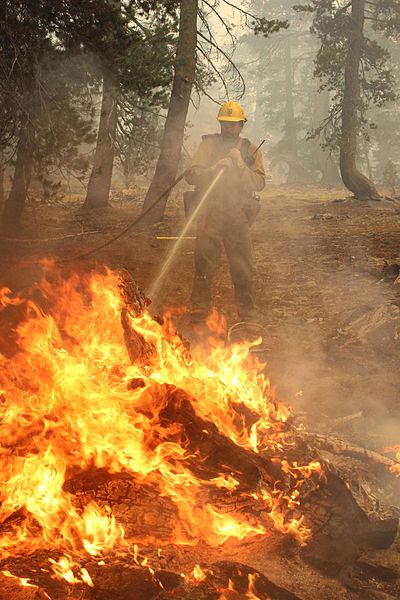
(352, 64)
(39, 42)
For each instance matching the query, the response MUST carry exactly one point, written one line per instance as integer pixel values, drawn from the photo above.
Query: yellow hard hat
(231, 111)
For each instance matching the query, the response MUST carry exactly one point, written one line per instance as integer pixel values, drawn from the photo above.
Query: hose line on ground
(121, 233)
(128, 227)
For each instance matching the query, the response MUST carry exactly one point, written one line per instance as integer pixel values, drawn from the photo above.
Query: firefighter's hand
(236, 158)
(223, 163)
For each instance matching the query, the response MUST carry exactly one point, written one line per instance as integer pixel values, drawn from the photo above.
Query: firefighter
(228, 211)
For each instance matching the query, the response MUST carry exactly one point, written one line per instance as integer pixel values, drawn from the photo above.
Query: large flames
(68, 405)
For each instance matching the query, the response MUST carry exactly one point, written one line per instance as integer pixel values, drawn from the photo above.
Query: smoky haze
(89, 130)
(199, 382)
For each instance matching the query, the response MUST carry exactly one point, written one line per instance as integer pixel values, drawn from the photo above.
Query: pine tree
(196, 46)
(284, 91)
(353, 66)
(31, 34)
(185, 67)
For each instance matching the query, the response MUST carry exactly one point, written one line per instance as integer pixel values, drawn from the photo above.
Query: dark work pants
(234, 234)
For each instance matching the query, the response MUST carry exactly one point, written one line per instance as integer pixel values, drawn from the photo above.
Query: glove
(236, 158)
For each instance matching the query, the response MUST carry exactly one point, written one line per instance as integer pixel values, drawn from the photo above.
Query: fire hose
(124, 231)
(131, 224)
(139, 218)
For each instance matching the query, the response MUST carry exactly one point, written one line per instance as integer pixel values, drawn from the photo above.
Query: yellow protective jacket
(237, 183)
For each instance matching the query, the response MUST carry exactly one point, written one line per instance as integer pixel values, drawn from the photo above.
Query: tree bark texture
(15, 202)
(353, 179)
(100, 179)
(171, 146)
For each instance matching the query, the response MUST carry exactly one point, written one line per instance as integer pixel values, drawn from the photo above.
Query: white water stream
(169, 259)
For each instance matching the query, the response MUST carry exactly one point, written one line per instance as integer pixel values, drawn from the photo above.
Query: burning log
(340, 529)
(337, 446)
(234, 578)
(135, 302)
(113, 434)
(139, 506)
(123, 581)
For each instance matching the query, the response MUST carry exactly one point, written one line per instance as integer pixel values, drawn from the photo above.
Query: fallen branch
(341, 421)
(340, 447)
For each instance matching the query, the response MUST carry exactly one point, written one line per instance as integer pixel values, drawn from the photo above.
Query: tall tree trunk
(362, 187)
(297, 173)
(171, 146)
(322, 159)
(15, 202)
(290, 123)
(126, 172)
(100, 179)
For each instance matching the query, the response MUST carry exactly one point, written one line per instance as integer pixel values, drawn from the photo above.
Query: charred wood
(122, 580)
(337, 446)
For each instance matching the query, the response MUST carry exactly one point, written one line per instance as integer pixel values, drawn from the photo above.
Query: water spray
(138, 219)
(155, 288)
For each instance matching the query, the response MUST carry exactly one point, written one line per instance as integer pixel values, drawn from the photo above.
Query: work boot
(198, 314)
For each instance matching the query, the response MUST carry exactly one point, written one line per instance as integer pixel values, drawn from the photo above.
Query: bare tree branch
(222, 21)
(240, 9)
(216, 70)
(229, 60)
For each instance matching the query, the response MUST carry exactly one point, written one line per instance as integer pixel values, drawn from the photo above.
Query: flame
(67, 406)
(396, 450)
(305, 471)
(251, 591)
(231, 593)
(64, 569)
(198, 574)
(22, 581)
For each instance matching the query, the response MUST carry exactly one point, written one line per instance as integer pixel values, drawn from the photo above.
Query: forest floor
(328, 294)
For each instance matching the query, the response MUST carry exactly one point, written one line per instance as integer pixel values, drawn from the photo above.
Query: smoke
(332, 327)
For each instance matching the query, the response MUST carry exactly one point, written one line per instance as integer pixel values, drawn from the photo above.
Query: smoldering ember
(199, 300)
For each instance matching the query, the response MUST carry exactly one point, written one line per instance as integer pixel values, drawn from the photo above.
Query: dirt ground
(328, 293)
(323, 262)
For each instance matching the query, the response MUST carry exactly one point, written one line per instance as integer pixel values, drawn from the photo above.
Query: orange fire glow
(198, 573)
(67, 406)
(394, 450)
(231, 593)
